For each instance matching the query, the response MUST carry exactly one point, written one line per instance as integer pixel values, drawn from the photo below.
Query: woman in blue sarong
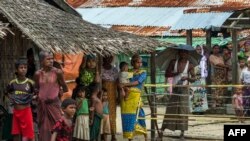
(131, 107)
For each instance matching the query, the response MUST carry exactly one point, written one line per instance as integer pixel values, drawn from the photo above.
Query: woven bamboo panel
(11, 48)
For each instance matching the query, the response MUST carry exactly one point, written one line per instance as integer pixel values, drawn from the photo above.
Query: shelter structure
(234, 21)
(39, 25)
(148, 18)
(170, 17)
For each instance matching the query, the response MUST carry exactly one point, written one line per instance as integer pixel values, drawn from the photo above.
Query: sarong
(112, 95)
(130, 111)
(81, 129)
(95, 128)
(48, 113)
(177, 104)
(218, 93)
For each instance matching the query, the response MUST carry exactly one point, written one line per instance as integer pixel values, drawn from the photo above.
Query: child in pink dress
(238, 104)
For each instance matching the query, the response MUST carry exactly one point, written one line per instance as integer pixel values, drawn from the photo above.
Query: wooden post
(36, 56)
(235, 58)
(209, 47)
(208, 40)
(189, 37)
(99, 67)
(153, 90)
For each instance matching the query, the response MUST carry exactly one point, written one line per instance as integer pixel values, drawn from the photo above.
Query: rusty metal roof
(155, 31)
(142, 31)
(218, 5)
(139, 3)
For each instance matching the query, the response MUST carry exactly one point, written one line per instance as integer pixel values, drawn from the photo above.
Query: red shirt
(64, 132)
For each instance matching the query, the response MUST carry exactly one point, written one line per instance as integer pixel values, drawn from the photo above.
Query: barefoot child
(63, 129)
(81, 130)
(20, 91)
(96, 111)
(124, 76)
(238, 104)
(105, 126)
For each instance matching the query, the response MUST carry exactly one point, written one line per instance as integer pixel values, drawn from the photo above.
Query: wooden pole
(209, 47)
(235, 58)
(99, 67)
(189, 37)
(153, 90)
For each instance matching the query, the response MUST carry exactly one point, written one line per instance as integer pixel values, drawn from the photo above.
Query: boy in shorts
(20, 92)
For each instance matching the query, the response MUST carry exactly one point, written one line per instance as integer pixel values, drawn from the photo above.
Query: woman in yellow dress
(131, 106)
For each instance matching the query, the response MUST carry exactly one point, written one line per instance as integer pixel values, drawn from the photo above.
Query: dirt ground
(201, 127)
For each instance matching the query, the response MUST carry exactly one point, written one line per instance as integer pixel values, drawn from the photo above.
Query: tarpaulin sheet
(70, 64)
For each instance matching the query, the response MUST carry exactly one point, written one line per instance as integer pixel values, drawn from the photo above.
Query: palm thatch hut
(38, 25)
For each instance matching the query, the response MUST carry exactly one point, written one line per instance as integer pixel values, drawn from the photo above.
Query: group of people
(90, 113)
(185, 99)
(222, 74)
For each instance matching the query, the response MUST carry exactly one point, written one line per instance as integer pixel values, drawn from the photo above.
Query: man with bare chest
(182, 71)
(48, 81)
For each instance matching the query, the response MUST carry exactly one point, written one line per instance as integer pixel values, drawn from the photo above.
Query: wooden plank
(235, 58)
(209, 47)
(189, 37)
(243, 18)
(152, 99)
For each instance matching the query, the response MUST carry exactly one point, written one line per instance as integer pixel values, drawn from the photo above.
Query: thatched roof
(3, 29)
(55, 30)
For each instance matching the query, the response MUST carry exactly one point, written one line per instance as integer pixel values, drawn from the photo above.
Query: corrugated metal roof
(146, 3)
(155, 31)
(132, 16)
(201, 20)
(142, 31)
(220, 5)
(76, 3)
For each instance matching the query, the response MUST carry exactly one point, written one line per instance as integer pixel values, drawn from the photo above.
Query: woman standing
(219, 75)
(109, 82)
(131, 107)
(198, 97)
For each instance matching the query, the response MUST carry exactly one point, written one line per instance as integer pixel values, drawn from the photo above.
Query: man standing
(48, 81)
(182, 72)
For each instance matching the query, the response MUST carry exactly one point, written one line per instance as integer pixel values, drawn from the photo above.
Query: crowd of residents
(37, 111)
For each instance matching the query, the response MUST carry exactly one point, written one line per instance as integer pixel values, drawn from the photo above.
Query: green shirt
(84, 108)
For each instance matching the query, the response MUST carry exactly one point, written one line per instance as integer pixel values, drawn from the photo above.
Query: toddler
(238, 104)
(124, 76)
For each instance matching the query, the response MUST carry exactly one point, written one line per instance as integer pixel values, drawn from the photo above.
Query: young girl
(124, 76)
(88, 73)
(105, 125)
(63, 128)
(238, 104)
(81, 130)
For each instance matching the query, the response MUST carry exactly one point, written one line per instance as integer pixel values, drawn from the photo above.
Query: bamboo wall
(11, 48)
